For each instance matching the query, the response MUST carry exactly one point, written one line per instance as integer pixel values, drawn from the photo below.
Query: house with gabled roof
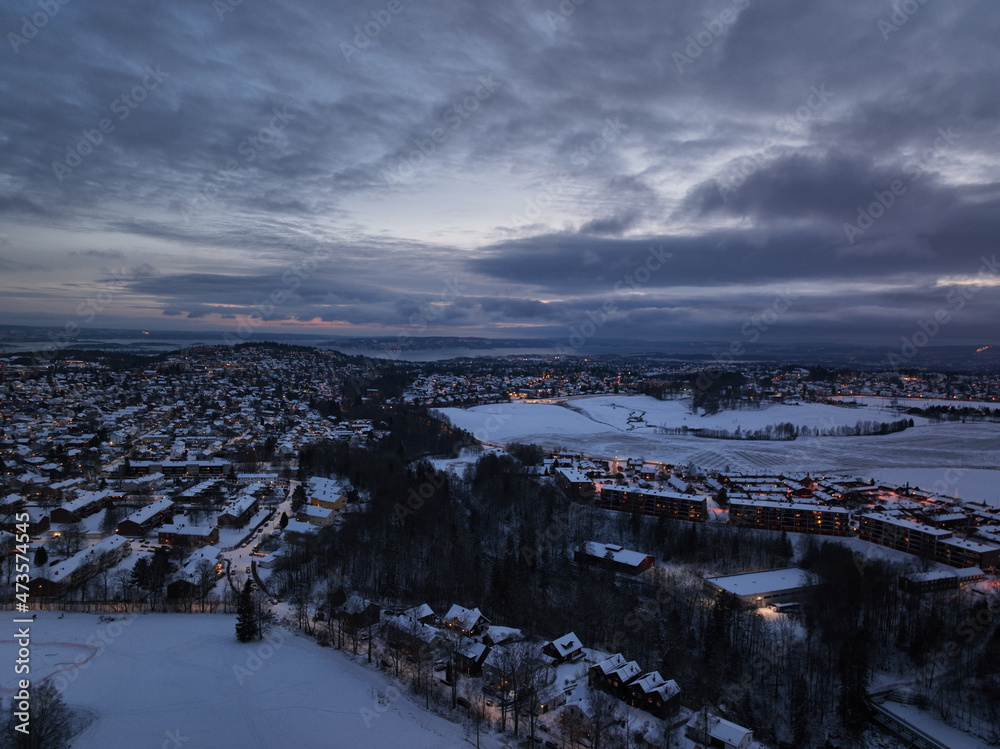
(238, 511)
(716, 732)
(566, 648)
(422, 613)
(614, 674)
(470, 658)
(143, 520)
(656, 695)
(467, 621)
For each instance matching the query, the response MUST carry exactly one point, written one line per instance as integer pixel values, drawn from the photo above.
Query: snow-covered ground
(466, 458)
(601, 427)
(148, 678)
(644, 414)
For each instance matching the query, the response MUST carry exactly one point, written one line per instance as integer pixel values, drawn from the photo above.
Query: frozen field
(625, 426)
(164, 675)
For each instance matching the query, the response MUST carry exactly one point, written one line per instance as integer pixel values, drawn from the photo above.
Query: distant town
(313, 490)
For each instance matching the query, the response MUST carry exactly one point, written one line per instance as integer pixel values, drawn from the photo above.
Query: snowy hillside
(148, 678)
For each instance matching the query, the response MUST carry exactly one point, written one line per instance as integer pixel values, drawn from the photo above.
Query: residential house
(716, 732)
(358, 614)
(656, 695)
(613, 557)
(470, 658)
(140, 522)
(566, 648)
(188, 536)
(467, 621)
(613, 675)
(238, 512)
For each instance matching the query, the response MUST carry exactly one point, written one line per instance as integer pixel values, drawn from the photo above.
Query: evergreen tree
(140, 573)
(41, 557)
(246, 620)
(158, 569)
(283, 521)
(299, 498)
(110, 520)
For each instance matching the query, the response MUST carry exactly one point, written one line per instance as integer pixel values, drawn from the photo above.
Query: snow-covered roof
(626, 671)
(190, 569)
(801, 506)
(567, 644)
(726, 732)
(920, 577)
(423, 632)
(84, 499)
(907, 524)
(766, 581)
(419, 612)
(501, 635)
(65, 569)
(297, 526)
(618, 554)
(463, 617)
(612, 663)
(142, 515)
(473, 651)
(653, 683)
(181, 529)
(241, 504)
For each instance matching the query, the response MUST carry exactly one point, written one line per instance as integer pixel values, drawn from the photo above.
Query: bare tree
(477, 706)
(605, 712)
(70, 540)
(50, 720)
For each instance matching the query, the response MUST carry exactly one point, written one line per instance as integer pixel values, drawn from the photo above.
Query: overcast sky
(766, 171)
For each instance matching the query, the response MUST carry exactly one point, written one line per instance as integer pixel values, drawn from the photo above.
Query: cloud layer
(517, 169)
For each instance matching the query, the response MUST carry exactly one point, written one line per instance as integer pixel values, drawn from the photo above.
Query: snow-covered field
(149, 678)
(625, 426)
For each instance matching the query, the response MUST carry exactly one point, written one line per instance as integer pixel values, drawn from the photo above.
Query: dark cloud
(548, 148)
